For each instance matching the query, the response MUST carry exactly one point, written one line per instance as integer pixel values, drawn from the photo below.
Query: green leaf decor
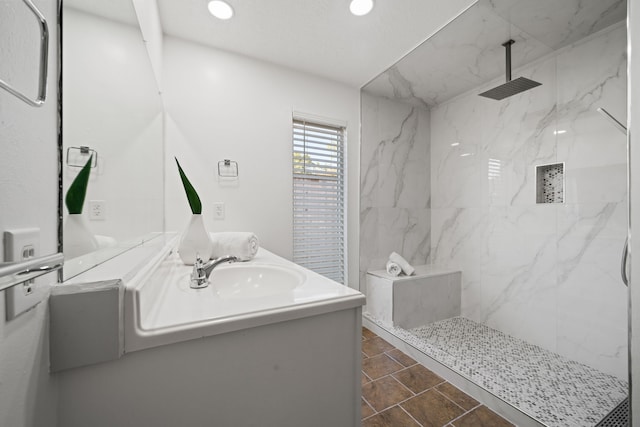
(78, 189)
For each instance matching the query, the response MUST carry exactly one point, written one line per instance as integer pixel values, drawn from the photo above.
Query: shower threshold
(541, 388)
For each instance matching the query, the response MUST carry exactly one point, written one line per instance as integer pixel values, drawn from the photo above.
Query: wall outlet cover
(97, 210)
(21, 244)
(218, 210)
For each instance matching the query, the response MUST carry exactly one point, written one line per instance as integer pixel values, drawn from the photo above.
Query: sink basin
(239, 281)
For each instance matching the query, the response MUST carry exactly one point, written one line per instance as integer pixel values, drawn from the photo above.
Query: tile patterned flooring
(553, 390)
(399, 392)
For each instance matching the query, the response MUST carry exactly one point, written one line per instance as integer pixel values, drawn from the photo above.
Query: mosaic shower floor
(554, 390)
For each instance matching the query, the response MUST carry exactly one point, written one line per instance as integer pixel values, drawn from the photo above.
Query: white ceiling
(116, 10)
(320, 37)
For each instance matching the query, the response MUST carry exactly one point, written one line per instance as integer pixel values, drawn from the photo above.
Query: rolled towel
(393, 269)
(404, 265)
(241, 244)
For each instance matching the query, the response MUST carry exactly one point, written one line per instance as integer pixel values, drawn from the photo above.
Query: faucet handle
(198, 275)
(199, 261)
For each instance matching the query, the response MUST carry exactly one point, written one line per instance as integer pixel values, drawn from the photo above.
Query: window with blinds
(318, 198)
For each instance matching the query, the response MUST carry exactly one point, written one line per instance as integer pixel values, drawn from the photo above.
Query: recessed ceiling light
(220, 9)
(361, 7)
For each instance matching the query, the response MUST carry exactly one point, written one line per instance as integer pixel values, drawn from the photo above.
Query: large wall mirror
(112, 114)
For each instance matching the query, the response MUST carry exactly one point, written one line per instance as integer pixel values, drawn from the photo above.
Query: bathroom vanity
(253, 348)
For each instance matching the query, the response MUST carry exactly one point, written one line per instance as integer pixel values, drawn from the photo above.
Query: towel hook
(44, 55)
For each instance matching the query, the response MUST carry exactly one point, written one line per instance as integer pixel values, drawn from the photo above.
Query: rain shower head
(511, 87)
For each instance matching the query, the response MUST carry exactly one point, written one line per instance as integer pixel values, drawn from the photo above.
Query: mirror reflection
(112, 119)
(516, 208)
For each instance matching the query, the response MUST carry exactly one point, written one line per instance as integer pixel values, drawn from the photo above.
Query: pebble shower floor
(554, 390)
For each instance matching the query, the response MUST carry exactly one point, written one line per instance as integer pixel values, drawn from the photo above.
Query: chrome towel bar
(44, 57)
(13, 273)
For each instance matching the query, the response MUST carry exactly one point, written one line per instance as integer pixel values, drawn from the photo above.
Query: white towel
(241, 244)
(404, 265)
(393, 269)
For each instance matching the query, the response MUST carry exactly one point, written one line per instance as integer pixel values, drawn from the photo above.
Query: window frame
(309, 133)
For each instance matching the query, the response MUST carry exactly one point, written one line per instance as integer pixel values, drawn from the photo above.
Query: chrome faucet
(201, 271)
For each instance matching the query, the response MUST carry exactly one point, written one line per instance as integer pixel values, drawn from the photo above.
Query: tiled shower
(527, 197)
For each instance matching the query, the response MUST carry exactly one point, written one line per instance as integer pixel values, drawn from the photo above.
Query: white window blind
(318, 198)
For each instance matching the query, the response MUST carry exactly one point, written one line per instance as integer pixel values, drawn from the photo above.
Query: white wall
(151, 28)
(28, 198)
(225, 106)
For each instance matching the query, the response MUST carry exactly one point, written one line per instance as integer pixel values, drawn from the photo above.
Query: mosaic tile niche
(550, 183)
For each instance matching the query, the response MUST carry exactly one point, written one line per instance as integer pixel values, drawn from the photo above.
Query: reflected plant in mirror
(78, 238)
(77, 191)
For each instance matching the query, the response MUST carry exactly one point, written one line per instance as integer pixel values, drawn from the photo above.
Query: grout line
(410, 416)
(398, 404)
(457, 418)
(371, 406)
(387, 353)
(450, 399)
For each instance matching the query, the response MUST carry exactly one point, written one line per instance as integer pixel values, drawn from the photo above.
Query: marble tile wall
(456, 186)
(395, 183)
(546, 273)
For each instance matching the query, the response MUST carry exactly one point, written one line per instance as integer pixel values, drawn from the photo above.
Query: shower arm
(622, 128)
(507, 46)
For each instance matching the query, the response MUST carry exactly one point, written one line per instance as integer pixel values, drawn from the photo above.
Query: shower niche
(550, 183)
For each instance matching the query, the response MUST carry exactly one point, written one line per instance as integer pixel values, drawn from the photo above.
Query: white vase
(195, 240)
(78, 239)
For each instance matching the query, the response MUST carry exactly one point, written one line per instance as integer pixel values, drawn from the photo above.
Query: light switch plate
(21, 244)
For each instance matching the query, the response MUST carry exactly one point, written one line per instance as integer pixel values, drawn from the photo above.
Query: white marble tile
(519, 133)
(395, 183)
(570, 21)
(404, 179)
(594, 151)
(468, 54)
(379, 294)
(457, 157)
(519, 273)
(469, 51)
(368, 240)
(592, 300)
(369, 151)
(423, 300)
(405, 231)
(457, 242)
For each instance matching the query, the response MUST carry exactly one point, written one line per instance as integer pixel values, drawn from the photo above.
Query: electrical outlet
(19, 245)
(97, 210)
(218, 210)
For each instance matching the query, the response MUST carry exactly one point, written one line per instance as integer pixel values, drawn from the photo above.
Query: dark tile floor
(399, 392)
